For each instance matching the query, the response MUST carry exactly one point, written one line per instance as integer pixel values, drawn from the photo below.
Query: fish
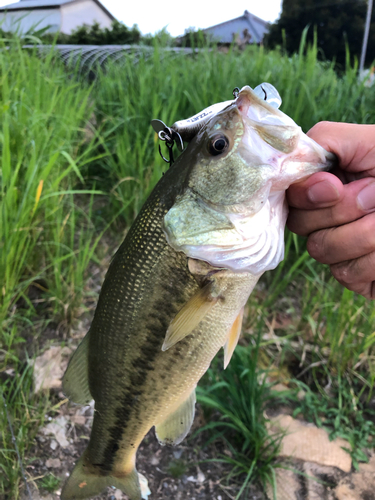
(175, 291)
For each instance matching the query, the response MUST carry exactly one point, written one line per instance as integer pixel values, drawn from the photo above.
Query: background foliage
(335, 23)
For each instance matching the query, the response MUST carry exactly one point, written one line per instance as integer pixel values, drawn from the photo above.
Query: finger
(357, 200)
(343, 243)
(320, 190)
(353, 144)
(357, 275)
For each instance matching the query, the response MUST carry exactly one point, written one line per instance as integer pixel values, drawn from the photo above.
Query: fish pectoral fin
(84, 484)
(232, 339)
(177, 425)
(190, 316)
(75, 382)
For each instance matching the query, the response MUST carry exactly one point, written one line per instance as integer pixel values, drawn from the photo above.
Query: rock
(200, 476)
(287, 485)
(319, 480)
(177, 453)
(343, 492)
(308, 443)
(50, 367)
(53, 463)
(359, 485)
(369, 467)
(118, 494)
(57, 429)
(78, 419)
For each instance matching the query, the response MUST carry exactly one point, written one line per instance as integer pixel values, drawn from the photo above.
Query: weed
(177, 468)
(50, 483)
(27, 415)
(239, 394)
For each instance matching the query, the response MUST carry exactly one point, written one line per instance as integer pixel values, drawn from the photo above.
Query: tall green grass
(43, 146)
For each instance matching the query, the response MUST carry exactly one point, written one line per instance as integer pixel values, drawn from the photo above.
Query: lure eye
(218, 145)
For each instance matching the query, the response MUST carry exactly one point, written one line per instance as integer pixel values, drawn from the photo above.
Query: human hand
(337, 210)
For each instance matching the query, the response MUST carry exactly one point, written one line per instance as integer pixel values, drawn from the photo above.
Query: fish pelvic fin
(177, 424)
(232, 339)
(75, 382)
(82, 483)
(192, 313)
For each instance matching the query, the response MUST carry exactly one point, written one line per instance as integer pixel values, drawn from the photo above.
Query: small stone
(118, 494)
(177, 453)
(50, 367)
(57, 429)
(154, 460)
(78, 419)
(200, 476)
(53, 463)
(53, 444)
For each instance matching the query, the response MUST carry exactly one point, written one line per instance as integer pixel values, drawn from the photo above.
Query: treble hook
(169, 136)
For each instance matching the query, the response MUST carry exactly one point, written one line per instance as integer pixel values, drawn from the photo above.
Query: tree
(118, 34)
(337, 23)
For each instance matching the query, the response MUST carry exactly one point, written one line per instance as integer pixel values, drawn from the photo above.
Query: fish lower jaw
(255, 245)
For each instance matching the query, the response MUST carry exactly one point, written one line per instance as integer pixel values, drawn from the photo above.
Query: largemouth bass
(175, 291)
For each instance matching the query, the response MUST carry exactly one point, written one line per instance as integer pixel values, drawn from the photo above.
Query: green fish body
(175, 291)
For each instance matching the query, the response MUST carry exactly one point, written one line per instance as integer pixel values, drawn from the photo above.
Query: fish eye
(218, 145)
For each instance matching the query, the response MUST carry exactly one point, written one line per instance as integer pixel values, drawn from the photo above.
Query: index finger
(353, 144)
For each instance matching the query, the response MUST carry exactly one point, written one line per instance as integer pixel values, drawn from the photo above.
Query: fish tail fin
(83, 484)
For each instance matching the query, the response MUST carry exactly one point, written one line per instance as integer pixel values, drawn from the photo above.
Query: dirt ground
(174, 473)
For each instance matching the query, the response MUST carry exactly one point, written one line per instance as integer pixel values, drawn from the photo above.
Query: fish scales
(134, 332)
(175, 291)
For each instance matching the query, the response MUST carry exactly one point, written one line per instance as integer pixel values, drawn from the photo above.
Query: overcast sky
(153, 15)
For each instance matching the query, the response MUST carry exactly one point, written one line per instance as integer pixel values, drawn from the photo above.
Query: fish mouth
(252, 106)
(299, 154)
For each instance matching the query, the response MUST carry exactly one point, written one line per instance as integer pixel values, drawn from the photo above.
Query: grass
(79, 160)
(239, 394)
(26, 412)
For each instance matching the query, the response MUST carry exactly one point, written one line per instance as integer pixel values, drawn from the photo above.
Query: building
(242, 30)
(57, 15)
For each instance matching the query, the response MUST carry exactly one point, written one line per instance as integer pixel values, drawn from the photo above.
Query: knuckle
(369, 232)
(316, 246)
(341, 272)
(295, 224)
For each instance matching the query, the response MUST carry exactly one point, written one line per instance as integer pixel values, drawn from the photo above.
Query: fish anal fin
(177, 424)
(232, 339)
(75, 381)
(190, 315)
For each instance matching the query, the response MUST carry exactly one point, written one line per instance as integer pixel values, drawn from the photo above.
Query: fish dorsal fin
(190, 316)
(177, 424)
(234, 335)
(75, 381)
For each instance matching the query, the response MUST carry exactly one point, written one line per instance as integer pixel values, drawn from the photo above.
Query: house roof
(225, 31)
(46, 4)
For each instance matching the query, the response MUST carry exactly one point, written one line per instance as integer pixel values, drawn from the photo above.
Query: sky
(153, 15)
